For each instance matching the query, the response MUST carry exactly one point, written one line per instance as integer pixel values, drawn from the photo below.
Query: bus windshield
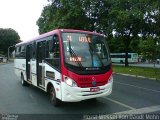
(85, 50)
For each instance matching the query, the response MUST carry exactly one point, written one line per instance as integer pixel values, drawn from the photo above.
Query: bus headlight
(110, 79)
(70, 82)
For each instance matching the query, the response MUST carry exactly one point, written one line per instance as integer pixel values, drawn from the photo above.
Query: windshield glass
(85, 50)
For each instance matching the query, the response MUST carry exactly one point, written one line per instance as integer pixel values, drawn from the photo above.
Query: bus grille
(87, 82)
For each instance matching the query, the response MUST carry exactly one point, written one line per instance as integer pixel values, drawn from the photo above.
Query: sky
(21, 15)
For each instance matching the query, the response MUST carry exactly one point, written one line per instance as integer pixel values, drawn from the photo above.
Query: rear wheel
(53, 99)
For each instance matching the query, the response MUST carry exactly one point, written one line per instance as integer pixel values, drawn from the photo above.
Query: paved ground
(130, 95)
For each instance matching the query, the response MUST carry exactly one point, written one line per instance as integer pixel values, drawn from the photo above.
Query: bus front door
(40, 63)
(28, 61)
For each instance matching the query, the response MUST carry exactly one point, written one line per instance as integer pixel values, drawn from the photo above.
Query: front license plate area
(95, 89)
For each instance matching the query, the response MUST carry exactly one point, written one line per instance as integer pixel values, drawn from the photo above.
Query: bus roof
(56, 31)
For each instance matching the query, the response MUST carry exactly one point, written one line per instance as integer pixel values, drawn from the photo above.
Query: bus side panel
(20, 67)
(120, 57)
(53, 76)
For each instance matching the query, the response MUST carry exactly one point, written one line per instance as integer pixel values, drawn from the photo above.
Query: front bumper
(75, 94)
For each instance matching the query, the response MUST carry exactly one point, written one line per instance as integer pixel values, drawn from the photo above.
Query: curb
(137, 76)
(2, 63)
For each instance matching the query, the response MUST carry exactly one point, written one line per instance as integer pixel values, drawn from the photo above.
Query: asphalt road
(130, 95)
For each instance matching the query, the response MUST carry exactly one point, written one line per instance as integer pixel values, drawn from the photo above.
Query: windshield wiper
(73, 54)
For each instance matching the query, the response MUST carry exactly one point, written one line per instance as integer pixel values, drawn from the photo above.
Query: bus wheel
(23, 82)
(53, 99)
(121, 62)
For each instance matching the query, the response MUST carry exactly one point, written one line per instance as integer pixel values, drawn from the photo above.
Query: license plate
(95, 89)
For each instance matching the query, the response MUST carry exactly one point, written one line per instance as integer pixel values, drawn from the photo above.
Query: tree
(128, 19)
(151, 31)
(132, 18)
(62, 14)
(74, 14)
(149, 48)
(115, 45)
(8, 37)
(127, 16)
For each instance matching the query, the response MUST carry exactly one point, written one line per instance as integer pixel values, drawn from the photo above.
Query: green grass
(138, 71)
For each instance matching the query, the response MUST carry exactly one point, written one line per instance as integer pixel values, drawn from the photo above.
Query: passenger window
(53, 52)
(56, 51)
(22, 53)
(31, 51)
(34, 50)
(19, 49)
(50, 49)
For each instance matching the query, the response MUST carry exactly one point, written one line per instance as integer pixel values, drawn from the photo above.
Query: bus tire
(53, 99)
(121, 61)
(23, 82)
